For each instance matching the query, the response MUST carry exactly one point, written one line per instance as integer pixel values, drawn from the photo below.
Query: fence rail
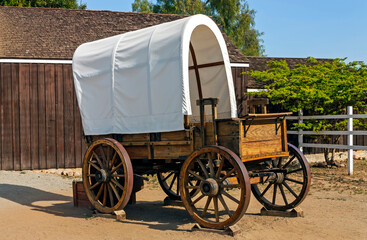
(350, 147)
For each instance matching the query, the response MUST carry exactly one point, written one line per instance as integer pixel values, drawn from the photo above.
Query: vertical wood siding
(40, 120)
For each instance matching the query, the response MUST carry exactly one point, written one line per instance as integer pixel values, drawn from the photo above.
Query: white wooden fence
(350, 147)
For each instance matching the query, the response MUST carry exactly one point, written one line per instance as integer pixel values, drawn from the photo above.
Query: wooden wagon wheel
(170, 182)
(107, 175)
(288, 187)
(223, 192)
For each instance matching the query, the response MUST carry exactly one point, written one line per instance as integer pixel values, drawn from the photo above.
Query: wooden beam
(196, 71)
(213, 64)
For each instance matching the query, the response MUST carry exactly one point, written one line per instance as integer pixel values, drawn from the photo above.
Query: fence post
(300, 135)
(350, 140)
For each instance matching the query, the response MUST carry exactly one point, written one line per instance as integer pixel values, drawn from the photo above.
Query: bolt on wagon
(161, 100)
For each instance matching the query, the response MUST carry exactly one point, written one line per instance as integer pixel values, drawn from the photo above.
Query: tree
(71, 4)
(317, 88)
(235, 18)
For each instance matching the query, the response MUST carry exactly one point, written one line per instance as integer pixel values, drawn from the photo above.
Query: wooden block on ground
(231, 230)
(120, 215)
(169, 202)
(295, 212)
(79, 196)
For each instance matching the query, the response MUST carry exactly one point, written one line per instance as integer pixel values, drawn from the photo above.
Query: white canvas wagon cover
(140, 81)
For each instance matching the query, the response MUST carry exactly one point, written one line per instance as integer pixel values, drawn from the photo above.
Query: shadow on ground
(42, 201)
(152, 214)
(157, 216)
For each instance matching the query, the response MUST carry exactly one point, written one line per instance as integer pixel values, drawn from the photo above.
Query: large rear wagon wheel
(289, 186)
(222, 187)
(107, 175)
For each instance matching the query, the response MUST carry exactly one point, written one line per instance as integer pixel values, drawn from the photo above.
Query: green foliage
(71, 4)
(317, 88)
(235, 18)
(142, 6)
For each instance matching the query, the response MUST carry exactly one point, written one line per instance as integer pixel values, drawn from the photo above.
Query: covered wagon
(161, 100)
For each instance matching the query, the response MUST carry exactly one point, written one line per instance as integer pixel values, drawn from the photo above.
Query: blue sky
(298, 28)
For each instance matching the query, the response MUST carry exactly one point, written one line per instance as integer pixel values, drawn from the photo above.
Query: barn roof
(45, 33)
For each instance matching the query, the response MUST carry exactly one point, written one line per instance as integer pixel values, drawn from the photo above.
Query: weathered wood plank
(25, 116)
(6, 118)
(59, 81)
(41, 99)
(34, 116)
(50, 115)
(15, 116)
(78, 139)
(69, 117)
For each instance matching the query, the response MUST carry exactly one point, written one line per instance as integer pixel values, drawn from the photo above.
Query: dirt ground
(39, 206)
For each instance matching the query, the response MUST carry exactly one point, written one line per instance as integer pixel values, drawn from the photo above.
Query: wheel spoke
(95, 185)
(203, 168)
(196, 176)
(290, 189)
(94, 165)
(211, 165)
(279, 162)
(91, 175)
(290, 160)
(117, 167)
(293, 171)
(98, 160)
(220, 168)
(231, 197)
(170, 174)
(227, 175)
(293, 180)
(230, 186)
(113, 159)
(99, 192)
(103, 154)
(192, 187)
(224, 204)
(197, 200)
(115, 191)
(117, 184)
(266, 189)
(110, 195)
(173, 181)
(118, 175)
(206, 206)
(275, 193)
(283, 194)
(216, 210)
(104, 195)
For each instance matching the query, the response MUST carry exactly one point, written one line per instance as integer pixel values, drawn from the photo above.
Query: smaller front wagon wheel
(222, 187)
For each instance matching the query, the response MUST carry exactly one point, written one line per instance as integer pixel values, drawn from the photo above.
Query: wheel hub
(210, 187)
(279, 178)
(103, 176)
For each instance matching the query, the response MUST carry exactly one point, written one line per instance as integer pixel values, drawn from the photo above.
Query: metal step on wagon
(161, 100)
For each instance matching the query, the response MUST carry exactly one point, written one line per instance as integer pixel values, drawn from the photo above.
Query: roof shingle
(44, 33)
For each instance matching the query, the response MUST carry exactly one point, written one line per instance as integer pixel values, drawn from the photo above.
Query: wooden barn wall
(40, 120)
(240, 85)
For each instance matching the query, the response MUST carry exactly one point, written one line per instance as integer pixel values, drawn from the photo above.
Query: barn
(40, 120)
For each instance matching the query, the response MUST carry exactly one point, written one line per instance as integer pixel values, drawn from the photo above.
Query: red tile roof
(44, 33)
